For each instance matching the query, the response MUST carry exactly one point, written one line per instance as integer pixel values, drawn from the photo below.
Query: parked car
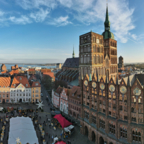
(42, 94)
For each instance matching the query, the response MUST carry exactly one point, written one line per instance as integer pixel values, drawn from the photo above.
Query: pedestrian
(52, 137)
(49, 136)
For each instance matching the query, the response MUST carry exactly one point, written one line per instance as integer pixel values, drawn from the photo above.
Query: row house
(20, 90)
(5, 89)
(56, 97)
(35, 91)
(64, 100)
(74, 102)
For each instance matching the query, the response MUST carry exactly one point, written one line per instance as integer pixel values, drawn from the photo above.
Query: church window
(136, 136)
(123, 133)
(140, 100)
(93, 119)
(112, 128)
(102, 124)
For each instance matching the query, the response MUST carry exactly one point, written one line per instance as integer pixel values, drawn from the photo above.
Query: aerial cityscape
(69, 72)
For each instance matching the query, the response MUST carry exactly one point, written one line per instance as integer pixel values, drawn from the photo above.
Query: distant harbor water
(28, 66)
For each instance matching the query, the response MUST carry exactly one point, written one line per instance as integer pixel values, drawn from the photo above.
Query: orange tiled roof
(31, 69)
(45, 70)
(35, 84)
(51, 74)
(5, 81)
(20, 79)
(14, 72)
(4, 72)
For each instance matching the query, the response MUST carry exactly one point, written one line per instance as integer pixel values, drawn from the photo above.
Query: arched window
(140, 100)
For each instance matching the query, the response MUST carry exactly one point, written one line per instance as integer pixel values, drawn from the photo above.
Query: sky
(45, 31)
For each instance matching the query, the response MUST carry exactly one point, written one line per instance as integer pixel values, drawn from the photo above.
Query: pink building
(64, 100)
(56, 97)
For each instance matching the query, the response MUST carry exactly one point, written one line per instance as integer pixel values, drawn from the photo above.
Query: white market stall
(22, 128)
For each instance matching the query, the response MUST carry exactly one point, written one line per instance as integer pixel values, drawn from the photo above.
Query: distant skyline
(45, 31)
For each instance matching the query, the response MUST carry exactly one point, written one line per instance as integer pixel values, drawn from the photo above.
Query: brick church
(112, 109)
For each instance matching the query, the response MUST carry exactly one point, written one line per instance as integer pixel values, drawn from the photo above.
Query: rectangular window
(3, 95)
(86, 114)
(93, 119)
(112, 128)
(102, 124)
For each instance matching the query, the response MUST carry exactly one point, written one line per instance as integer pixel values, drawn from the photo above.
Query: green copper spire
(107, 22)
(73, 55)
(107, 33)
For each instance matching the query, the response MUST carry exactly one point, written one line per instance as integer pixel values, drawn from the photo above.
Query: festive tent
(63, 122)
(60, 142)
(22, 128)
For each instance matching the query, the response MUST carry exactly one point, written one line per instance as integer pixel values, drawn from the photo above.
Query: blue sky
(44, 31)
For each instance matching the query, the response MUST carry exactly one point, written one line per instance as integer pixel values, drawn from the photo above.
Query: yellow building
(35, 91)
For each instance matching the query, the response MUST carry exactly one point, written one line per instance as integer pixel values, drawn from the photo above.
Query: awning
(67, 129)
(60, 142)
(63, 122)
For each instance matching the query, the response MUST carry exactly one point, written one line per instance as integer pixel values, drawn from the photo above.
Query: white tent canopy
(22, 127)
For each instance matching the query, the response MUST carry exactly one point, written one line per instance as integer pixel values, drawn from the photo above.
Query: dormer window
(14, 85)
(20, 78)
(36, 84)
(26, 85)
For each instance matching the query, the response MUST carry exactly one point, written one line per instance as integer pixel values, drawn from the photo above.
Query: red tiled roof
(35, 84)
(75, 90)
(59, 90)
(20, 79)
(5, 81)
(32, 77)
(51, 74)
(45, 70)
(31, 69)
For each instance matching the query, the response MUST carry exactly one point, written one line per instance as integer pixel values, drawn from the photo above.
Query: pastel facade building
(56, 97)
(20, 90)
(35, 91)
(64, 100)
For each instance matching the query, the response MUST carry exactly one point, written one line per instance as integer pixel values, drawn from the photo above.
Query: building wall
(74, 107)
(20, 93)
(112, 115)
(55, 99)
(35, 94)
(4, 94)
(64, 102)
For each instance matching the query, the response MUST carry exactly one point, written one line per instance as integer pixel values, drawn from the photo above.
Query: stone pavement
(76, 137)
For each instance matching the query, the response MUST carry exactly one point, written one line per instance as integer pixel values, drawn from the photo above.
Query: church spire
(73, 55)
(107, 22)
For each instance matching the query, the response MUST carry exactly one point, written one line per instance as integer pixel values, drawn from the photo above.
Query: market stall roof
(64, 123)
(22, 128)
(67, 129)
(60, 142)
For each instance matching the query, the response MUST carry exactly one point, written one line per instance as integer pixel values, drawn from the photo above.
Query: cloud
(60, 21)
(20, 20)
(93, 11)
(40, 16)
(36, 4)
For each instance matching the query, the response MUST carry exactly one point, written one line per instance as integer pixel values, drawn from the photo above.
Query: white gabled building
(20, 90)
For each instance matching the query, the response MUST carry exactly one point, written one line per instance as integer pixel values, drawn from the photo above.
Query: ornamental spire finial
(73, 55)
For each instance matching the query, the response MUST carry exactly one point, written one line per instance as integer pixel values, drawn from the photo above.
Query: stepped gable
(3, 67)
(59, 90)
(71, 63)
